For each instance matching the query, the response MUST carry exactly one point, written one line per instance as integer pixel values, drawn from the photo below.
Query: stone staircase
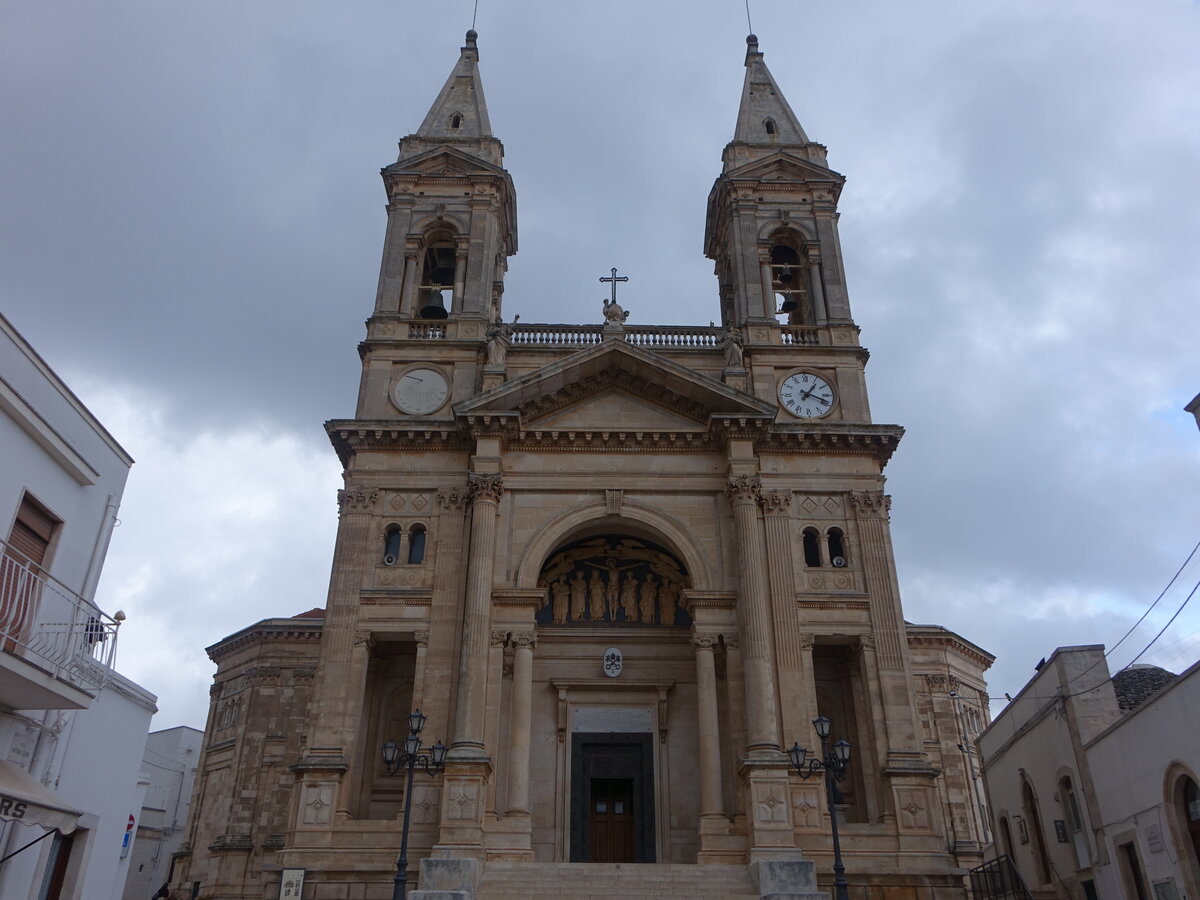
(600, 881)
(584, 881)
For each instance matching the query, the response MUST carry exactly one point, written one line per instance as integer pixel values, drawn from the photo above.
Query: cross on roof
(614, 279)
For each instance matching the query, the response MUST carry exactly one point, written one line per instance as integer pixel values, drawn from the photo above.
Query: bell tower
(772, 216)
(452, 216)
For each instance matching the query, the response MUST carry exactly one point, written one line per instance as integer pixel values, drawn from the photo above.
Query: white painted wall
(169, 767)
(1132, 764)
(55, 448)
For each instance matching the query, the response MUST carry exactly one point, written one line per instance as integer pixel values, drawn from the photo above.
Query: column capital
(454, 499)
(362, 637)
(421, 638)
(866, 642)
(705, 640)
(807, 640)
(498, 638)
(521, 639)
(776, 502)
(731, 642)
(356, 500)
(744, 488)
(871, 504)
(486, 487)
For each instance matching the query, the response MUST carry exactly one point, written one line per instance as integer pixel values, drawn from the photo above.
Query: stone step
(583, 881)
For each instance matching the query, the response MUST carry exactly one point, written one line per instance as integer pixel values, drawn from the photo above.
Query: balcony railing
(49, 626)
(668, 337)
(998, 880)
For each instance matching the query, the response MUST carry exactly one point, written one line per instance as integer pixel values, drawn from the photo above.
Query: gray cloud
(193, 220)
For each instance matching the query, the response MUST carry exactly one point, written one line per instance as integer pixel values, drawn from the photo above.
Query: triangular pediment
(615, 386)
(612, 409)
(445, 161)
(784, 166)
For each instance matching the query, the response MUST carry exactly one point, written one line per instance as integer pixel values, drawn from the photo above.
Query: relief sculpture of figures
(559, 592)
(578, 597)
(629, 602)
(595, 596)
(649, 595)
(613, 581)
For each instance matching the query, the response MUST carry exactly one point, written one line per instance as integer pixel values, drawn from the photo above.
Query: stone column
(818, 292)
(904, 751)
(768, 292)
(519, 725)
(460, 271)
(777, 508)
(408, 287)
(336, 706)
(477, 614)
(707, 727)
(735, 693)
(421, 638)
(445, 553)
(754, 619)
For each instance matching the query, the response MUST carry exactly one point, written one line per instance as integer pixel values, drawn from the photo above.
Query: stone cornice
(351, 436)
(936, 636)
(833, 439)
(266, 630)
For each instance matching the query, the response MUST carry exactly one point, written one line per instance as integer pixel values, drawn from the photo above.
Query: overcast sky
(192, 219)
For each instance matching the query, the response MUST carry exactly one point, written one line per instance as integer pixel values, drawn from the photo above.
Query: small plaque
(292, 884)
(1060, 831)
(620, 719)
(1154, 838)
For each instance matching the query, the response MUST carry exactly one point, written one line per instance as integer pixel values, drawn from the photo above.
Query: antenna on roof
(476, 13)
(749, 27)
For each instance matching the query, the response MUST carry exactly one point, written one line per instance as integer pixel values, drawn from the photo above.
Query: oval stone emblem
(613, 662)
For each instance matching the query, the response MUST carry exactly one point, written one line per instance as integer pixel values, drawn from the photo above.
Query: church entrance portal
(612, 798)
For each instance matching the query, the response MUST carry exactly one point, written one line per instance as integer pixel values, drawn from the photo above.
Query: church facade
(620, 568)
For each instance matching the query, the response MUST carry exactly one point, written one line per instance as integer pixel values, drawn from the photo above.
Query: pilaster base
(769, 824)
(464, 791)
(449, 878)
(786, 879)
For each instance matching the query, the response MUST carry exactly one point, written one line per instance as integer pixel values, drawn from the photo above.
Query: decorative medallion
(613, 662)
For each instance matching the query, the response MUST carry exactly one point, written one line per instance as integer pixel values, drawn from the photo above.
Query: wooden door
(612, 823)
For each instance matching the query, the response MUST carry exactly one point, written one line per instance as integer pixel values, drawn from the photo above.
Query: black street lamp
(397, 758)
(833, 763)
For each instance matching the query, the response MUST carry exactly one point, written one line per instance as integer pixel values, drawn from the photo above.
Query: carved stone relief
(614, 581)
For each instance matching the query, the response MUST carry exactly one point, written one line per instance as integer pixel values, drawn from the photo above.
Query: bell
(442, 275)
(439, 266)
(785, 275)
(435, 307)
(789, 304)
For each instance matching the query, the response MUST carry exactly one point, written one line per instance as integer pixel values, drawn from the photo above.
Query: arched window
(812, 548)
(456, 121)
(391, 545)
(837, 547)
(769, 125)
(1070, 805)
(437, 278)
(416, 545)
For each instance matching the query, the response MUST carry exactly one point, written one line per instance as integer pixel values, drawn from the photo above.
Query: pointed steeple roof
(459, 115)
(459, 110)
(764, 118)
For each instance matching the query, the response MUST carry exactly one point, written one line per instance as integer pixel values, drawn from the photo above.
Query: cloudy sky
(192, 218)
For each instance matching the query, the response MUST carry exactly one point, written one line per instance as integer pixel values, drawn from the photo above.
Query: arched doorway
(1190, 813)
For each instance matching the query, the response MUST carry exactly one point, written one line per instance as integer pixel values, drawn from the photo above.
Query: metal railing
(50, 626)
(673, 337)
(998, 880)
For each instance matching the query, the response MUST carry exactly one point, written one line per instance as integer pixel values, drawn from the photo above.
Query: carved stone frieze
(776, 501)
(453, 499)
(871, 503)
(356, 499)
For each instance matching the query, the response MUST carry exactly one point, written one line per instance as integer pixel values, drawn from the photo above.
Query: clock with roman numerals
(806, 395)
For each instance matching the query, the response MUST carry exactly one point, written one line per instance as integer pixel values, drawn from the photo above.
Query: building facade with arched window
(618, 567)
(1092, 779)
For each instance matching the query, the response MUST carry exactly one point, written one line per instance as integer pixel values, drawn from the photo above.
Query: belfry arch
(635, 520)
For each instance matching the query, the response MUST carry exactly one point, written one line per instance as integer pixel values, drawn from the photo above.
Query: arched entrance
(1190, 815)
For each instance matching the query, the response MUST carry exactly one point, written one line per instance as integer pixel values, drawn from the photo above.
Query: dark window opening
(812, 550)
(391, 546)
(456, 121)
(416, 545)
(770, 126)
(837, 547)
(437, 279)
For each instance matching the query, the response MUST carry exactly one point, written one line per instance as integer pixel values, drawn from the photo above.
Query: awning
(25, 799)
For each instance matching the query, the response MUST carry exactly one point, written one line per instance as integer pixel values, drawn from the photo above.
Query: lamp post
(406, 757)
(833, 763)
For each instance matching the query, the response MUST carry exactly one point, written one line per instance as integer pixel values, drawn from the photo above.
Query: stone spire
(764, 118)
(459, 115)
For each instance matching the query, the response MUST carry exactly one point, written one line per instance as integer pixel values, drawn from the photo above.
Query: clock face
(806, 395)
(420, 391)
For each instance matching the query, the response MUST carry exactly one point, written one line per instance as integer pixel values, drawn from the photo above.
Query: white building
(72, 730)
(169, 771)
(1094, 781)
